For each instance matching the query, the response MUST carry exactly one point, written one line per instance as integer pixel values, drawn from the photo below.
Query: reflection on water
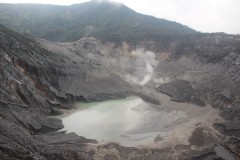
(129, 121)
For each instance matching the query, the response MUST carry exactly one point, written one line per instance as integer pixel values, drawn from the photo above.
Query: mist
(203, 16)
(143, 64)
(137, 68)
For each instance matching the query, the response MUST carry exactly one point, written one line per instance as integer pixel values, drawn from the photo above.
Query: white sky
(201, 15)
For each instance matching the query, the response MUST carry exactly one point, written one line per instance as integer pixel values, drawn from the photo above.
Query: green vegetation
(103, 20)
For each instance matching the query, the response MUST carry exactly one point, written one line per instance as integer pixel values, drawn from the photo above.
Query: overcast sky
(201, 15)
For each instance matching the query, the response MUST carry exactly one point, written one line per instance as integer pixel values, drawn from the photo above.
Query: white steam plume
(142, 64)
(137, 67)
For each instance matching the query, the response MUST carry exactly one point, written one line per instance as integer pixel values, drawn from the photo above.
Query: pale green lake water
(130, 121)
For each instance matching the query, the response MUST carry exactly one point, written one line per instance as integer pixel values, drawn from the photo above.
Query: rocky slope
(40, 77)
(26, 101)
(36, 83)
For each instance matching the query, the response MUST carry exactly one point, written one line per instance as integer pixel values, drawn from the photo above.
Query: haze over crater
(203, 16)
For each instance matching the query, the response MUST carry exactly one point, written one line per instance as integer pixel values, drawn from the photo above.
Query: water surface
(130, 121)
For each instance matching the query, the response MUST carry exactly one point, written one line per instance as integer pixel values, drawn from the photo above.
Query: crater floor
(134, 122)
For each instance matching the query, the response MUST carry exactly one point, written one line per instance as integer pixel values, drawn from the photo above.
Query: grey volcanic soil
(39, 80)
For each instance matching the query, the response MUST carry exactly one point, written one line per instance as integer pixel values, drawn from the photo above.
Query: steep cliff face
(26, 100)
(193, 58)
(36, 83)
(200, 70)
(39, 77)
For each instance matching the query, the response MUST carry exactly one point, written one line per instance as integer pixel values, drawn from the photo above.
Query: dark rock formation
(181, 91)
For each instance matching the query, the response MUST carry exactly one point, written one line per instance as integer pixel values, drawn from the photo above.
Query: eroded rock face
(36, 83)
(182, 91)
(25, 102)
